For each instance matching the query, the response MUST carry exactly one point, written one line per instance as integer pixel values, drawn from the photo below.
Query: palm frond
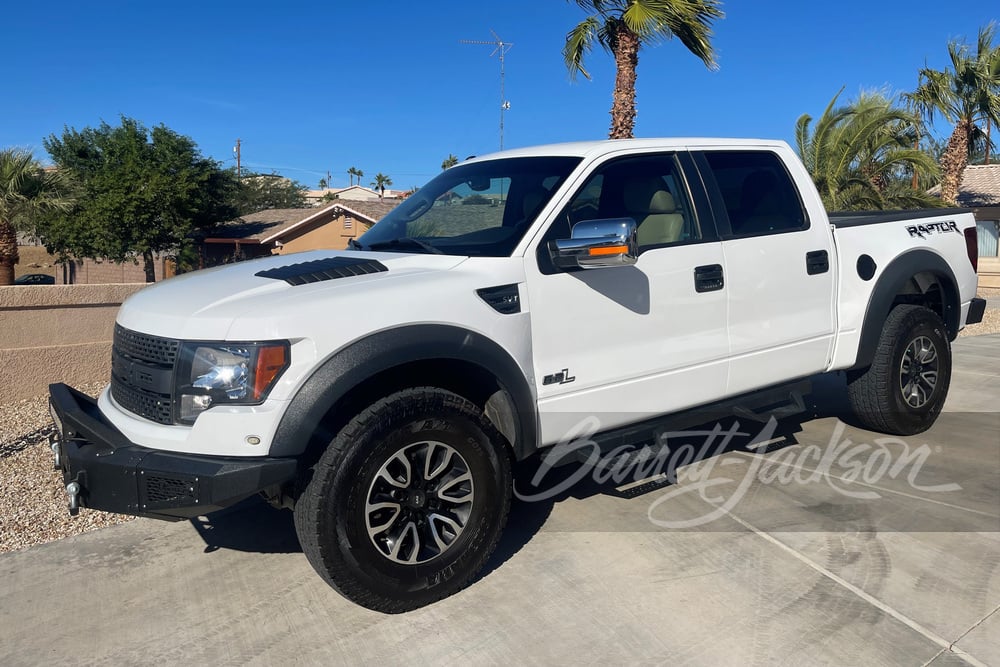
(579, 42)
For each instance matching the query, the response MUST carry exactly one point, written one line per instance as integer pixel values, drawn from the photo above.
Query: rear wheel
(408, 501)
(905, 388)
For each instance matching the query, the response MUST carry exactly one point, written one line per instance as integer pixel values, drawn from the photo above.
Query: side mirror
(597, 244)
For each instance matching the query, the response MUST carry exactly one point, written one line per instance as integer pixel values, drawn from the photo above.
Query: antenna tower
(500, 48)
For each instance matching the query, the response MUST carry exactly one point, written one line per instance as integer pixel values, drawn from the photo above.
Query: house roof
(263, 224)
(272, 224)
(980, 186)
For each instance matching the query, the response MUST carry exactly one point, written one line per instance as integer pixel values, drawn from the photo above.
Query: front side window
(481, 208)
(758, 193)
(647, 189)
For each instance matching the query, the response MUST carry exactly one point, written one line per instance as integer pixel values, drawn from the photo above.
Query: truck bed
(841, 219)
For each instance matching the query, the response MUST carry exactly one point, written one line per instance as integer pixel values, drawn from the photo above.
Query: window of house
(988, 232)
(759, 195)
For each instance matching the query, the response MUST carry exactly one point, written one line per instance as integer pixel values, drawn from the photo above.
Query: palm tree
(967, 95)
(449, 162)
(381, 182)
(861, 155)
(354, 172)
(622, 27)
(323, 184)
(26, 191)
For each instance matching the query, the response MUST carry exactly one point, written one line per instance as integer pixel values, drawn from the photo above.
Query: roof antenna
(500, 47)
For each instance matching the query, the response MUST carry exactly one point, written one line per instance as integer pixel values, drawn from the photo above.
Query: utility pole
(500, 47)
(236, 150)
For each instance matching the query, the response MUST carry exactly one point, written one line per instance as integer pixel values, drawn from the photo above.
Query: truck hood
(204, 304)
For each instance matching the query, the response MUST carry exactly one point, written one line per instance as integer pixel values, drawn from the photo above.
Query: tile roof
(980, 186)
(261, 224)
(266, 225)
(373, 210)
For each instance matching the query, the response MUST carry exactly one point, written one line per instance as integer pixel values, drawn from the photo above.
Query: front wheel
(905, 388)
(408, 501)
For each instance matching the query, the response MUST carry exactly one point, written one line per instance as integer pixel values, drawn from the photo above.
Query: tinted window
(758, 193)
(647, 189)
(480, 208)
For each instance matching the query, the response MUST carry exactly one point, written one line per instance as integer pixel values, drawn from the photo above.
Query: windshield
(482, 208)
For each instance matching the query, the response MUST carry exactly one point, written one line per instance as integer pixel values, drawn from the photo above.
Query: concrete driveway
(886, 554)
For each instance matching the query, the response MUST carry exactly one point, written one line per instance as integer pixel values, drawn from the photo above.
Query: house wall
(325, 235)
(56, 333)
(989, 267)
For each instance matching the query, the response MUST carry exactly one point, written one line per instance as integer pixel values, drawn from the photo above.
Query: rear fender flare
(891, 283)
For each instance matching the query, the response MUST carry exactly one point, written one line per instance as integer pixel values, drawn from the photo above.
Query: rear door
(779, 267)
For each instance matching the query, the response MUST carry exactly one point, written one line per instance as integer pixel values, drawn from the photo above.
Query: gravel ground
(32, 500)
(991, 318)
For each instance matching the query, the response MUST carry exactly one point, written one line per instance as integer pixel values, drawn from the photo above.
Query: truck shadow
(251, 525)
(828, 398)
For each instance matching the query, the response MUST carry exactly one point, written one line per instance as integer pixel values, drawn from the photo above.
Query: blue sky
(388, 86)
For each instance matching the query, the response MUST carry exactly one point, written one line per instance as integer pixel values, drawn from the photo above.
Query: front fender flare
(382, 351)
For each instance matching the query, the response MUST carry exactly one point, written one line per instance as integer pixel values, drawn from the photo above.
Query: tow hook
(56, 456)
(73, 491)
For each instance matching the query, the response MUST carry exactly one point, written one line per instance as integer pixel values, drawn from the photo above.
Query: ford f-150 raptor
(383, 391)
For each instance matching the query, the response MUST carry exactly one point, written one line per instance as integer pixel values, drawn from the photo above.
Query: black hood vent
(323, 269)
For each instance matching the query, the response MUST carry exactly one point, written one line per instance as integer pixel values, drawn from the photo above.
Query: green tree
(259, 192)
(381, 182)
(354, 172)
(140, 192)
(26, 192)
(861, 155)
(449, 162)
(323, 184)
(622, 27)
(967, 95)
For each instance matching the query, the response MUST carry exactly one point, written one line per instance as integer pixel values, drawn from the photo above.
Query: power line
(500, 47)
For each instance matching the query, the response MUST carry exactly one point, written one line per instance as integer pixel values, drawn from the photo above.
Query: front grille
(151, 355)
(144, 347)
(155, 407)
(169, 489)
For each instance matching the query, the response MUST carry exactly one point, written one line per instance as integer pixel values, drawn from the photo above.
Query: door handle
(817, 261)
(708, 278)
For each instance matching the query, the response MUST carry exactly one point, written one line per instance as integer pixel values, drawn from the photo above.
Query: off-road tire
(333, 514)
(879, 394)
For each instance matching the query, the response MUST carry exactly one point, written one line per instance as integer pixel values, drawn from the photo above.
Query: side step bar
(640, 442)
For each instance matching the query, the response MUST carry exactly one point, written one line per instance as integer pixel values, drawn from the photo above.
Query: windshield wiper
(354, 244)
(405, 241)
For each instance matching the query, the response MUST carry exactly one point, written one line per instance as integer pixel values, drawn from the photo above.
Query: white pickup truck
(384, 391)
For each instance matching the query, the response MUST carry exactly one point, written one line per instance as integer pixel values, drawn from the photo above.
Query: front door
(618, 345)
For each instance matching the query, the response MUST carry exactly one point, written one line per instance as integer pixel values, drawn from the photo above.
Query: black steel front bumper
(105, 471)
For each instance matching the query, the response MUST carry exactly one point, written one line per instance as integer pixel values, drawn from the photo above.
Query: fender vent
(323, 269)
(504, 298)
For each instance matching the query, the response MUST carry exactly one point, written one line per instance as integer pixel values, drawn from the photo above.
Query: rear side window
(758, 193)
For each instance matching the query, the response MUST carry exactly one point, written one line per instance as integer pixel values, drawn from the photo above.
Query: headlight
(226, 374)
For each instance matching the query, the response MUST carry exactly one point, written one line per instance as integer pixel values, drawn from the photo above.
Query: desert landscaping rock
(32, 500)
